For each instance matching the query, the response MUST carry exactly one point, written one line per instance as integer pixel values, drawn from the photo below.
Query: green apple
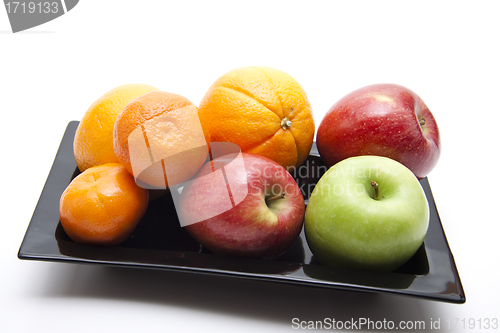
(366, 212)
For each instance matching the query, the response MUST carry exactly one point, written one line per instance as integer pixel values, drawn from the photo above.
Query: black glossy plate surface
(159, 242)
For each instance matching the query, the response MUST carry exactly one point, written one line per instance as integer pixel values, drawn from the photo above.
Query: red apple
(385, 120)
(243, 205)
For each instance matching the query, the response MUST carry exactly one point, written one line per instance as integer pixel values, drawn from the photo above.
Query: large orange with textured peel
(264, 111)
(159, 138)
(102, 205)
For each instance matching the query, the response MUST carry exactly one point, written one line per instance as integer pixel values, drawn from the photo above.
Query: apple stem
(421, 121)
(276, 197)
(375, 187)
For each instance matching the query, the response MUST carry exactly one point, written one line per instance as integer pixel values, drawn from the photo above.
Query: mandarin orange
(158, 137)
(102, 205)
(264, 111)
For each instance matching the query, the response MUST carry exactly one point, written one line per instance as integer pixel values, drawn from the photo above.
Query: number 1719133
(30, 7)
(473, 323)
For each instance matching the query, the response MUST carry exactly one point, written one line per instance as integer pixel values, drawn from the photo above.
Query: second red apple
(384, 120)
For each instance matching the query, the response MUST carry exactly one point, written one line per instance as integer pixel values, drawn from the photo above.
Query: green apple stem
(375, 187)
(276, 197)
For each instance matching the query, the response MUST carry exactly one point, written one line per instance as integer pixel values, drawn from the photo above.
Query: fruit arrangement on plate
(228, 166)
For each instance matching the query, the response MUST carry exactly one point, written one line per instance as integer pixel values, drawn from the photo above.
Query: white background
(448, 52)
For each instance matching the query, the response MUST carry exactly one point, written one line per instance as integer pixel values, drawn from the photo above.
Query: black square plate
(159, 242)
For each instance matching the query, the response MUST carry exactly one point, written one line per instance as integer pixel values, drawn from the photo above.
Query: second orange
(159, 139)
(264, 111)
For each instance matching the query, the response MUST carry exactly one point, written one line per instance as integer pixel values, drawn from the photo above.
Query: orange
(158, 137)
(262, 110)
(102, 205)
(93, 144)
